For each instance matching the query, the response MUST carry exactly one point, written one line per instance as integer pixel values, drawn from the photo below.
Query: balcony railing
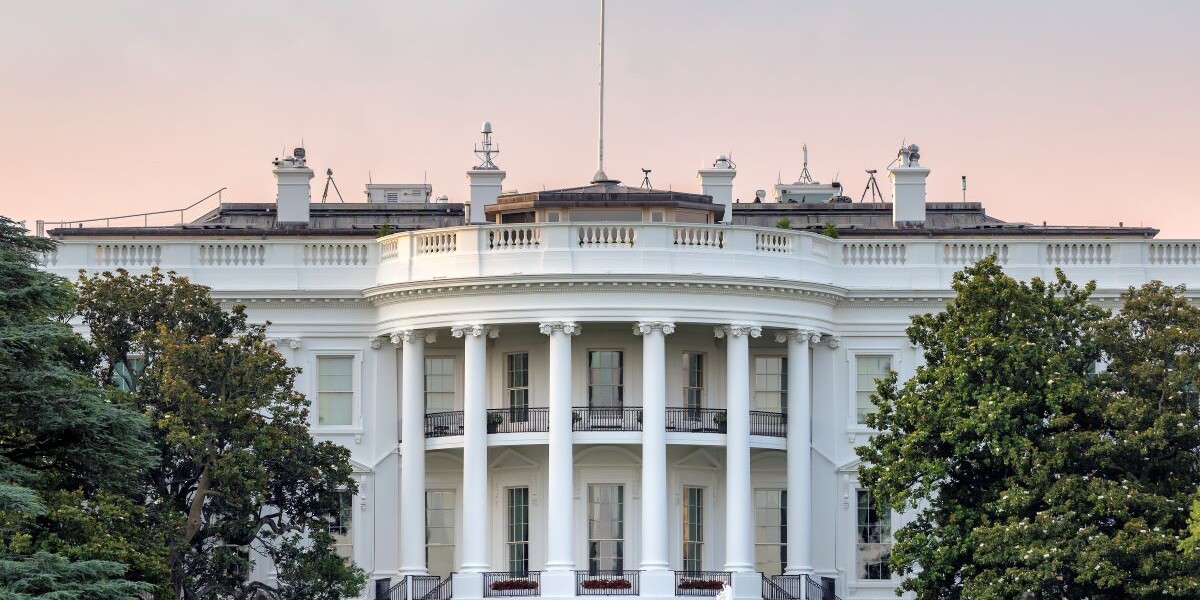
(696, 420)
(442, 424)
(616, 418)
(768, 423)
(607, 583)
(701, 583)
(518, 420)
(499, 584)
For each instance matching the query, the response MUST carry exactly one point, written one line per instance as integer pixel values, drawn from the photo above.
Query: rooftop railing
(677, 251)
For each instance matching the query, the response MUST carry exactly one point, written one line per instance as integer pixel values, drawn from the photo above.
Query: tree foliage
(239, 477)
(1030, 471)
(65, 447)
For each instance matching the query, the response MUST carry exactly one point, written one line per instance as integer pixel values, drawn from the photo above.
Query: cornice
(397, 293)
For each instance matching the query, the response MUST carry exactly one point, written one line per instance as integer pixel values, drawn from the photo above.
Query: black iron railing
(432, 587)
(815, 590)
(768, 423)
(518, 420)
(607, 583)
(701, 583)
(442, 424)
(617, 418)
(502, 583)
(698, 420)
(384, 590)
(783, 587)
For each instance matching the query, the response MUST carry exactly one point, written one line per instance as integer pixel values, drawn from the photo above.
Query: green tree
(240, 474)
(64, 446)
(1028, 471)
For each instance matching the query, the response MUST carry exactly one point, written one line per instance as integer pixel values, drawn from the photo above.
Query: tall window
(335, 390)
(874, 539)
(516, 386)
(606, 527)
(770, 383)
(518, 530)
(439, 532)
(868, 368)
(126, 374)
(770, 531)
(693, 379)
(439, 384)
(605, 379)
(693, 529)
(341, 527)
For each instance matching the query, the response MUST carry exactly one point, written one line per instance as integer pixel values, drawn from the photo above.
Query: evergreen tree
(64, 446)
(1026, 469)
(240, 475)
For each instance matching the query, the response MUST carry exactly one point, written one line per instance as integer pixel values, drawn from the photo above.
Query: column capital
(737, 331)
(645, 327)
(567, 327)
(375, 342)
(490, 331)
(835, 341)
(801, 335)
(412, 336)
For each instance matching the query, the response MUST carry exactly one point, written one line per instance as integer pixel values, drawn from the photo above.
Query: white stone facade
(613, 416)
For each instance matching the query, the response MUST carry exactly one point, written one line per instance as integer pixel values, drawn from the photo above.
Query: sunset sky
(1084, 113)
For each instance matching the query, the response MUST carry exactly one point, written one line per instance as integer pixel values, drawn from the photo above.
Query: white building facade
(563, 401)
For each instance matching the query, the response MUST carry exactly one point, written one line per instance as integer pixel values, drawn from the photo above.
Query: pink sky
(1071, 112)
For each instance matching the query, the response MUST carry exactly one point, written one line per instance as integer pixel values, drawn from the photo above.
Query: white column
(654, 444)
(475, 452)
(384, 428)
(799, 450)
(412, 453)
(739, 503)
(559, 546)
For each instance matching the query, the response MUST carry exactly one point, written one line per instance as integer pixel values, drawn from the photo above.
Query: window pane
(606, 527)
(439, 384)
(693, 529)
(770, 531)
(868, 368)
(341, 527)
(693, 380)
(605, 378)
(335, 390)
(874, 532)
(518, 530)
(770, 383)
(439, 532)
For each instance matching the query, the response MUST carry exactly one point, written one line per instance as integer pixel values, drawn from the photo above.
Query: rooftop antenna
(600, 176)
(646, 179)
(964, 187)
(486, 150)
(328, 182)
(805, 176)
(873, 187)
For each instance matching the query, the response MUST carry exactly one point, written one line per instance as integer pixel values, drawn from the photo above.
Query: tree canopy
(1026, 469)
(239, 477)
(65, 446)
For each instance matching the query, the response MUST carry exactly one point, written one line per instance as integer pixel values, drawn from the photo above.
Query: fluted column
(412, 451)
(560, 526)
(739, 503)
(655, 522)
(475, 452)
(799, 450)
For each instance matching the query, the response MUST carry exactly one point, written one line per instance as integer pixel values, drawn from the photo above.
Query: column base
(558, 584)
(656, 584)
(747, 585)
(468, 585)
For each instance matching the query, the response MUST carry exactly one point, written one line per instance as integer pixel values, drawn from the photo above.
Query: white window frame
(455, 378)
(704, 373)
(853, 567)
(849, 560)
(783, 378)
(356, 418)
(852, 424)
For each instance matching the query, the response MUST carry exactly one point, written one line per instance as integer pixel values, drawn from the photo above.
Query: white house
(642, 389)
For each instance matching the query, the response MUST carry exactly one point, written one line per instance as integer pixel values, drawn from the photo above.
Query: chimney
(718, 183)
(485, 178)
(908, 189)
(292, 199)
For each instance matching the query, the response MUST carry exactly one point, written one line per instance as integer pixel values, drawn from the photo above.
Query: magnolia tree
(239, 475)
(1030, 470)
